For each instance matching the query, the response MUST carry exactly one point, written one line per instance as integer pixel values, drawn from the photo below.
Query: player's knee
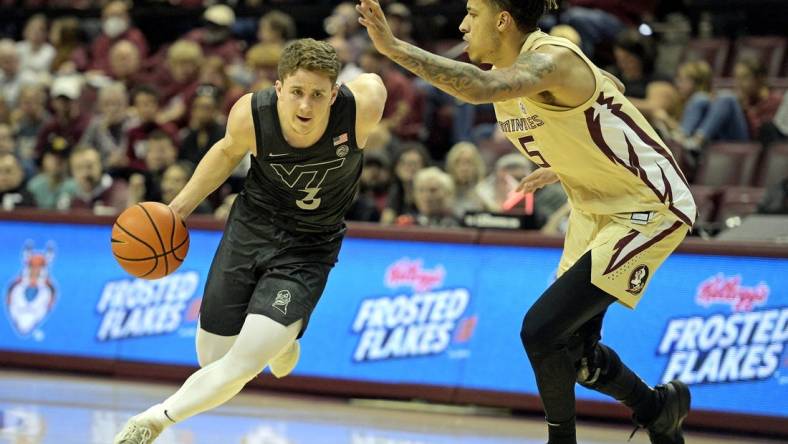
(598, 365)
(536, 335)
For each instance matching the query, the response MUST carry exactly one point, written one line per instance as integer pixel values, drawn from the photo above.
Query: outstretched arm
(533, 72)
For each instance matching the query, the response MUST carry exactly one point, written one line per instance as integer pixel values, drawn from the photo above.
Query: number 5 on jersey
(533, 153)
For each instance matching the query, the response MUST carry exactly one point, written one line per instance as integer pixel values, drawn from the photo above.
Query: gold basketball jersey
(608, 157)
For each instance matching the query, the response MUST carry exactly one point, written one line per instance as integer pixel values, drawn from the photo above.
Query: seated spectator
(28, 118)
(740, 117)
(466, 167)
(495, 188)
(145, 100)
(50, 183)
(693, 84)
(350, 70)
(13, 193)
(214, 72)
(204, 127)
(109, 126)
(776, 130)
(35, 53)
(174, 179)
(261, 63)
(115, 27)
(160, 154)
(12, 76)
(647, 90)
(434, 197)
(178, 80)
(89, 188)
(68, 121)
(9, 145)
(276, 28)
(125, 64)
(66, 37)
(376, 178)
(411, 158)
(400, 21)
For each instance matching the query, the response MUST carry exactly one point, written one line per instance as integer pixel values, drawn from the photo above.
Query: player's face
(304, 100)
(480, 32)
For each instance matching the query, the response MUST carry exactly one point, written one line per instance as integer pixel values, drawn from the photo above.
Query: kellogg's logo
(32, 295)
(721, 290)
(411, 273)
(421, 323)
(744, 345)
(133, 308)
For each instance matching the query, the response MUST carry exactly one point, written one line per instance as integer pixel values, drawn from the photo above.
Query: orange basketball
(149, 240)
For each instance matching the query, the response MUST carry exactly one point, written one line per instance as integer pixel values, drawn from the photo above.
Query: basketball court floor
(47, 408)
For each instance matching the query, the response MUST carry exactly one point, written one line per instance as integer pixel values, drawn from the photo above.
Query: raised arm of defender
(217, 164)
(552, 74)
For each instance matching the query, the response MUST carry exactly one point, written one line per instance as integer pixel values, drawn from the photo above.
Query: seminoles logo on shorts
(282, 299)
(638, 278)
(31, 296)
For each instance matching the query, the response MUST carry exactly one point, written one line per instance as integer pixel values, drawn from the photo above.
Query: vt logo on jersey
(307, 178)
(31, 296)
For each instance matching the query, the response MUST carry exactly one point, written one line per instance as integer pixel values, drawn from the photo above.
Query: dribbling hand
(374, 20)
(537, 180)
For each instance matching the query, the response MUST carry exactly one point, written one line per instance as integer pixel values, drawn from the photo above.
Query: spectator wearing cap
(50, 183)
(109, 126)
(28, 118)
(215, 37)
(115, 26)
(35, 53)
(204, 126)
(12, 190)
(12, 76)
(68, 122)
(145, 100)
(89, 187)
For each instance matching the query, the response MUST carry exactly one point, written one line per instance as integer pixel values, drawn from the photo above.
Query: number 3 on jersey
(307, 178)
(534, 154)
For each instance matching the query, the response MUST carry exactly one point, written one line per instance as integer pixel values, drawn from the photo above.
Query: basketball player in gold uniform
(631, 205)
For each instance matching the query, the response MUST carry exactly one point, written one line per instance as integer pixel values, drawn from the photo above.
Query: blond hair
(699, 72)
(454, 155)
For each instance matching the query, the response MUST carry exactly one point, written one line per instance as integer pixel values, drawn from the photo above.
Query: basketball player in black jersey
(285, 228)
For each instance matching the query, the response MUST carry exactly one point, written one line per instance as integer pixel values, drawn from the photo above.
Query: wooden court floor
(47, 408)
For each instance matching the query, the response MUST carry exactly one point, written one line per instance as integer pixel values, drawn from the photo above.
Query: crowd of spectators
(99, 118)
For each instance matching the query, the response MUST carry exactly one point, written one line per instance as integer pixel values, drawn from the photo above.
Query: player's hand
(537, 180)
(374, 20)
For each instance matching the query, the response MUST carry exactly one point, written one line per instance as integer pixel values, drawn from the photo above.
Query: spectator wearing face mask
(115, 26)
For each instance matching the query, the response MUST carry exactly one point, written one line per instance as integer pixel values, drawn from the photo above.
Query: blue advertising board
(411, 312)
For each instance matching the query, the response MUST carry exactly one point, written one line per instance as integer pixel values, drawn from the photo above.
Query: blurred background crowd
(107, 103)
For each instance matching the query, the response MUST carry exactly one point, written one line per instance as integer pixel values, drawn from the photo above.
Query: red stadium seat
(713, 51)
(739, 201)
(775, 166)
(728, 164)
(706, 200)
(770, 50)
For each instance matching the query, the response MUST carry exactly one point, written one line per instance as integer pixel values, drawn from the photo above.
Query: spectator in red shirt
(178, 80)
(145, 100)
(125, 64)
(90, 188)
(115, 26)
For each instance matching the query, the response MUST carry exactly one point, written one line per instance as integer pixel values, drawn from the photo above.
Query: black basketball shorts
(260, 268)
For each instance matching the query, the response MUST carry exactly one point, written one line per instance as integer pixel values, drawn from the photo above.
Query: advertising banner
(411, 312)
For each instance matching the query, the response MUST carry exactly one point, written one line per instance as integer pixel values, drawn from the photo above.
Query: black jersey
(305, 189)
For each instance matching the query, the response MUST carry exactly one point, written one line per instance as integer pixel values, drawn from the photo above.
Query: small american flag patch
(340, 139)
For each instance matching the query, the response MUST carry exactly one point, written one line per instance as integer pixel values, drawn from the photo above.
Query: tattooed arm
(532, 72)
